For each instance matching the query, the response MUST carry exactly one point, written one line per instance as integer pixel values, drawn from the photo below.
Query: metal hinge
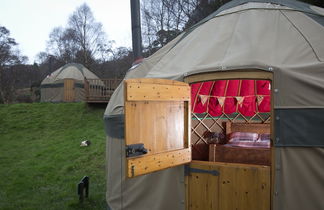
(134, 150)
(189, 170)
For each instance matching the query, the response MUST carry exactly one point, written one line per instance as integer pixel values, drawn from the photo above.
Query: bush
(24, 99)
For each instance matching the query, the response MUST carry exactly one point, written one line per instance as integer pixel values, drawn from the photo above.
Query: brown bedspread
(225, 153)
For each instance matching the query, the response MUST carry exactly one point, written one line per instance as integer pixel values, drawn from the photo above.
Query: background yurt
(67, 84)
(239, 97)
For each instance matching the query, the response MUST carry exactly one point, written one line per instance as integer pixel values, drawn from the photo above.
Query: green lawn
(41, 160)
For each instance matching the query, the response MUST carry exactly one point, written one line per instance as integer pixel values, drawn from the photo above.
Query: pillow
(264, 137)
(246, 139)
(243, 136)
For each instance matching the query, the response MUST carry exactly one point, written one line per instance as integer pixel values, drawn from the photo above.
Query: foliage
(6, 45)
(15, 78)
(116, 66)
(9, 55)
(41, 161)
(319, 3)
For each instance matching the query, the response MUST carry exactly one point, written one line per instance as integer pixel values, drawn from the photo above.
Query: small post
(83, 187)
(86, 87)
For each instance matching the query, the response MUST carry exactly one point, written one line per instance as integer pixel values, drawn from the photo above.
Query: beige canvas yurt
(66, 84)
(229, 115)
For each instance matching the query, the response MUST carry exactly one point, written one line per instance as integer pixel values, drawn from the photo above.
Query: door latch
(134, 150)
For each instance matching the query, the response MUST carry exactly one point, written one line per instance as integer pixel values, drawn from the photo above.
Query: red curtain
(230, 96)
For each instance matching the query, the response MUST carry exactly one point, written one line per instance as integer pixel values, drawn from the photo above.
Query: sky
(31, 21)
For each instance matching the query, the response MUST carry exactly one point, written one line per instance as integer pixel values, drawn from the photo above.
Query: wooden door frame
(242, 74)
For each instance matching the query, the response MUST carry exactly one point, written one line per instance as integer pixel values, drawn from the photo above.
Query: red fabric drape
(230, 96)
(200, 106)
(263, 89)
(232, 91)
(247, 108)
(214, 106)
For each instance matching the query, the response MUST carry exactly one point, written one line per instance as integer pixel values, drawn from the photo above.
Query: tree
(62, 44)
(87, 34)
(319, 3)
(116, 66)
(163, 20)
(9, 56)
(82, 40)
(202, 9)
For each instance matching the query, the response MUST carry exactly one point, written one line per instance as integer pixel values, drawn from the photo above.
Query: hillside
(41, 160)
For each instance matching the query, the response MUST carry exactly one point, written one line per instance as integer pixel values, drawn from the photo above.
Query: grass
(41, 160)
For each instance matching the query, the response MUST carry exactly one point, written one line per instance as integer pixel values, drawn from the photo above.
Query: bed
(245, 143)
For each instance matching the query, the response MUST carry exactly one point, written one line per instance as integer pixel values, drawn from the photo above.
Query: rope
(256, 97)
(225, 93)
(238, 93)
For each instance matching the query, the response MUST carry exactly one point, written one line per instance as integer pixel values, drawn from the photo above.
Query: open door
(157, 125)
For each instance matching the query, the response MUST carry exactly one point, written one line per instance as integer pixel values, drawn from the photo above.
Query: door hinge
(134, 150)
(189, 170)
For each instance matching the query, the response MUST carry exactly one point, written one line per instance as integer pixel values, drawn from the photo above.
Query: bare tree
(88, 34)
(163, 20)
(62, 44)
(82, 40)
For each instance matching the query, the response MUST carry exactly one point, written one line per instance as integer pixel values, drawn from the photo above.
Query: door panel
(203, 188)
(69, 91)
(245, 187)
(156, 125)
(238, 187)
(146, 89)
(156, 115)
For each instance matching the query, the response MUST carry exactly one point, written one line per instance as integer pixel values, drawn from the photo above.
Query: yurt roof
(243, 33)
(70, 71)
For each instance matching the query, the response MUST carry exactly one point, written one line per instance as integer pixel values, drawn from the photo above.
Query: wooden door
(228, 186)
(69, 90)
(157, 115)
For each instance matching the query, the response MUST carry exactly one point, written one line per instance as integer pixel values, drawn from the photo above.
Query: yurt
(66, 84)
(229, 115)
